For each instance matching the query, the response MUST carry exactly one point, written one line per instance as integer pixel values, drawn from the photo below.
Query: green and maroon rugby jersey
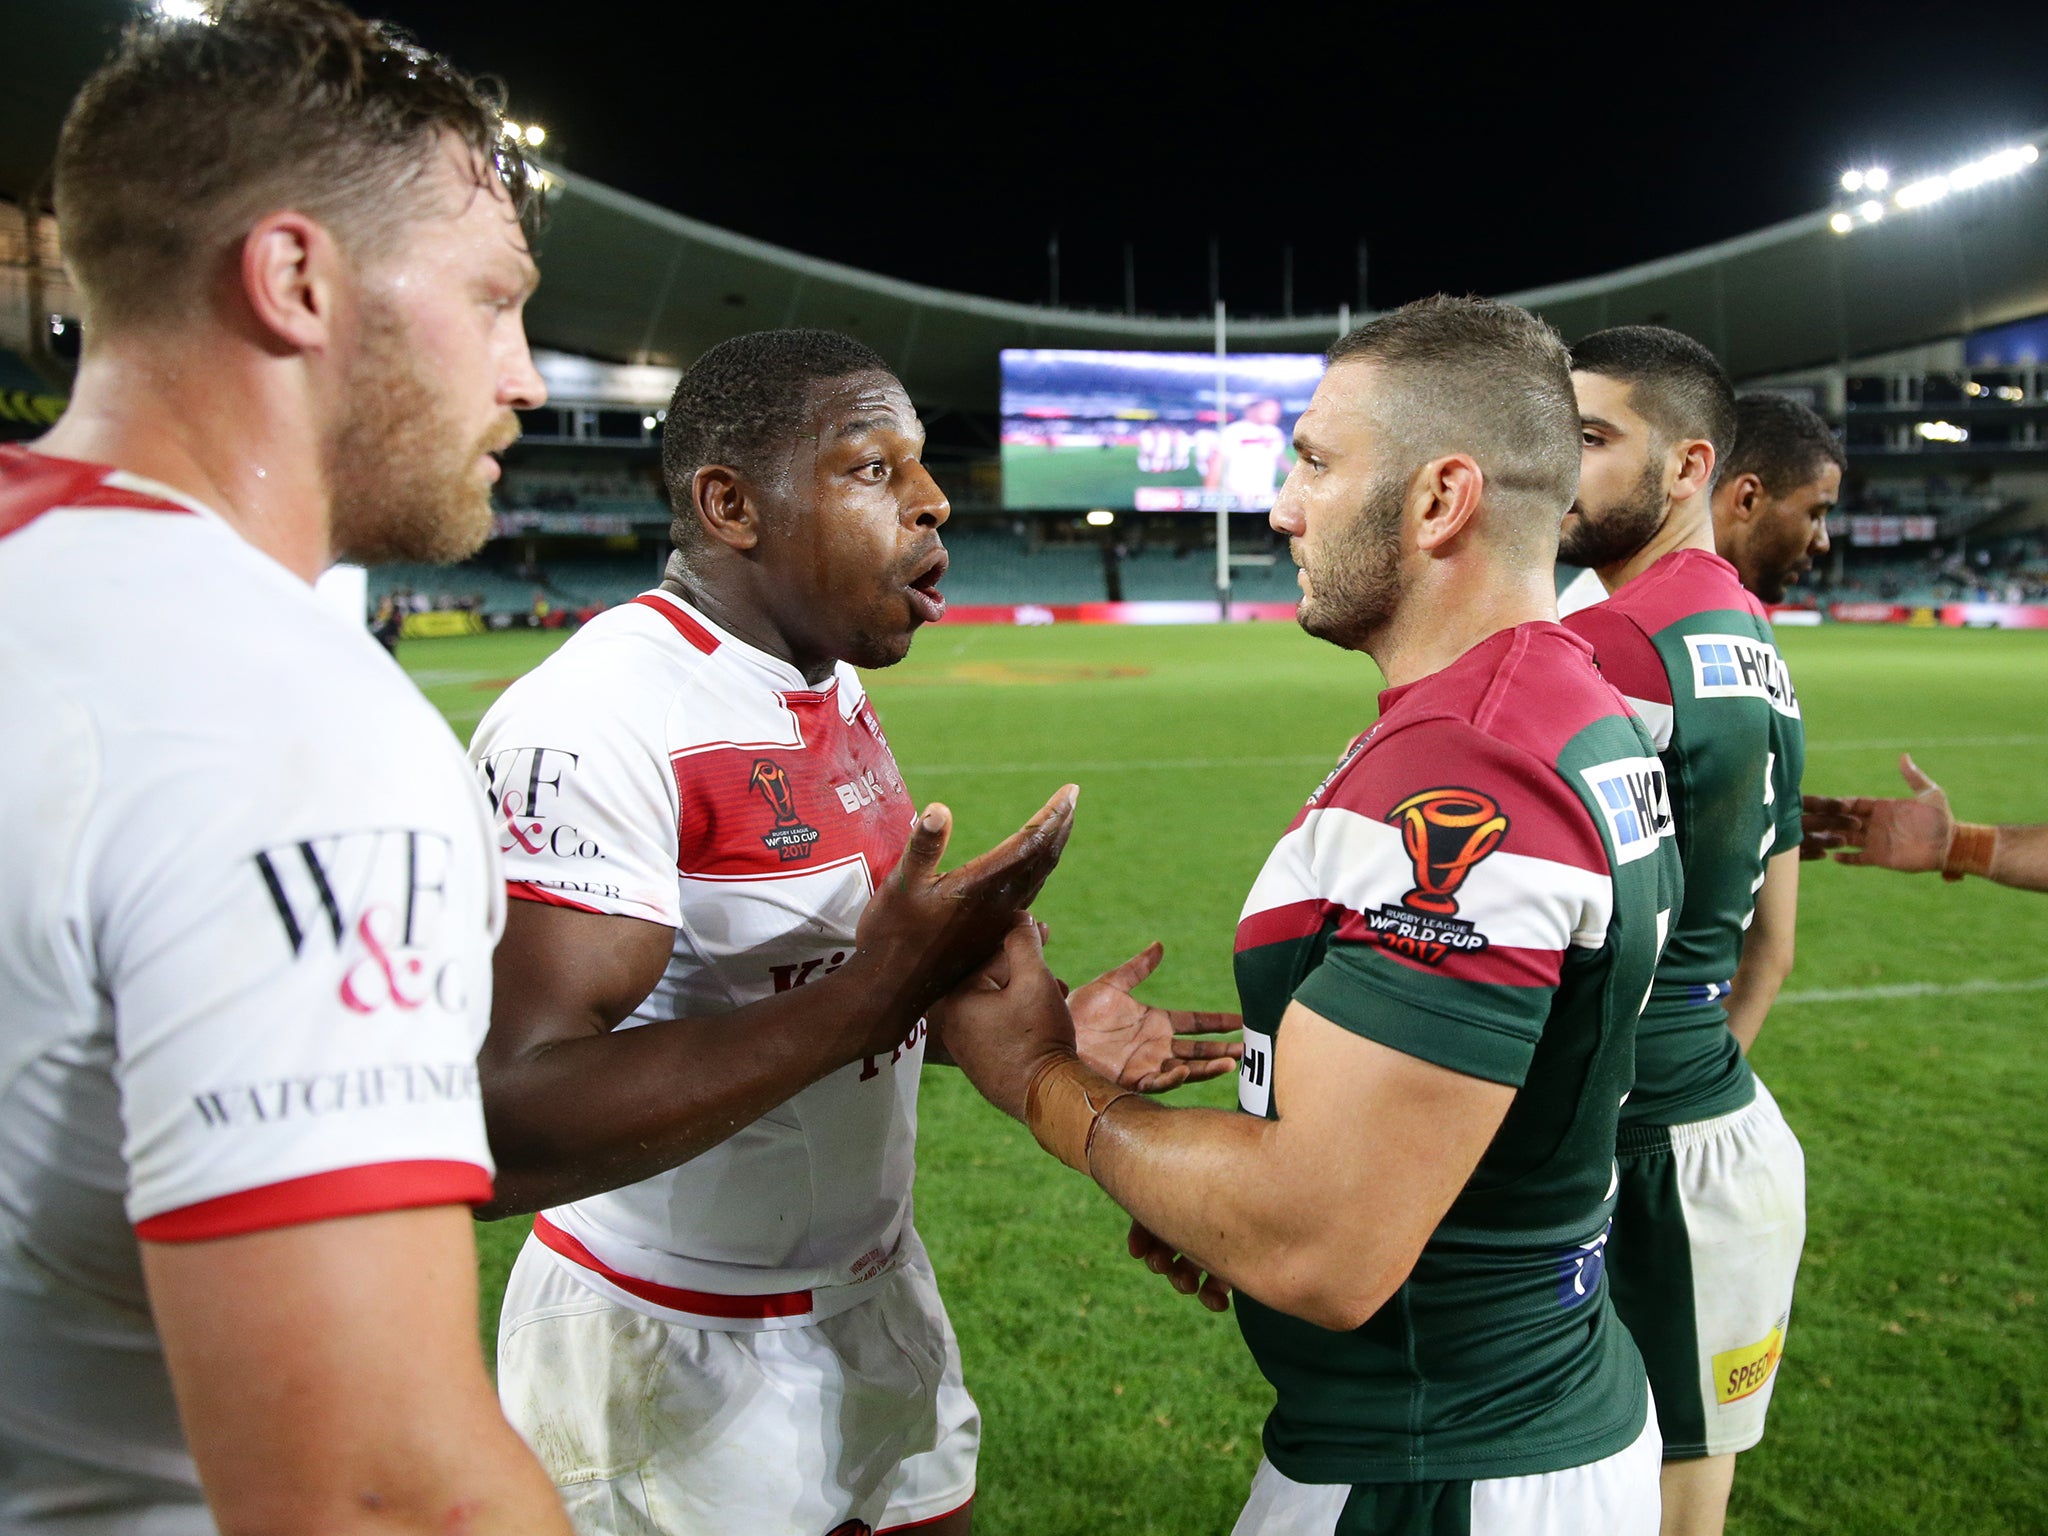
(1483, 883)
(1692, 652)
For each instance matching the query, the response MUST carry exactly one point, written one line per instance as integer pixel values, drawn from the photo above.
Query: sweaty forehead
(858, 404)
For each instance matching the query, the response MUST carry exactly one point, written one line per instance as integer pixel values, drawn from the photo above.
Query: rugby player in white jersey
(1250, 457)
(704, 1058)
(247, 910)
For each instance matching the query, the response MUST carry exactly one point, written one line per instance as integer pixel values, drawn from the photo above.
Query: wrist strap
(1064, 1103)
(1970, 851)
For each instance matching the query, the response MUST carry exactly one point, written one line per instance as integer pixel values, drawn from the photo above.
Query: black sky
(1473, 148)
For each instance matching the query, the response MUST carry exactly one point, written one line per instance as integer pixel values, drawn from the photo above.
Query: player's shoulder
(622, 672)
(1683, 586)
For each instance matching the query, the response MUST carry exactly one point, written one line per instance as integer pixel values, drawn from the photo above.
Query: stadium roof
(627, 280)
(631, 282)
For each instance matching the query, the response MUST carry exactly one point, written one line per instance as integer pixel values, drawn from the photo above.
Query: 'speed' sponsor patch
(1740, 667)
(1739, 1372)
(1634, 798)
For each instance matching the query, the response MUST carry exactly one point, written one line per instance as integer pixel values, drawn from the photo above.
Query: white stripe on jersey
(1513, 899)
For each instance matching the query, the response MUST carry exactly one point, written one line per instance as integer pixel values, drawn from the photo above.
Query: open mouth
(927, 603)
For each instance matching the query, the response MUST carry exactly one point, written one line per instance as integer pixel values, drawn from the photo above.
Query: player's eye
(1591, 439)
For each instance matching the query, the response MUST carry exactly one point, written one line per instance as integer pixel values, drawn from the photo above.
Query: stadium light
(535, 135)
(181, 10)
(1925, 191)
(1872, 211)
(1842, 223)
(1942, 431)
(1101, 517)
(1876, 179)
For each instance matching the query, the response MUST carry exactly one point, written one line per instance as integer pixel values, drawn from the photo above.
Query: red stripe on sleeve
(675, 1298)
(1280, 925)
(360, 1191)
(685, 626)
(521, 890)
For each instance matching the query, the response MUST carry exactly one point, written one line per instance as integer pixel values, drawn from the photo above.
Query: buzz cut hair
(1675, 384)
(742, 400)
(1783, 443)
(1485, 378)
(195, 129)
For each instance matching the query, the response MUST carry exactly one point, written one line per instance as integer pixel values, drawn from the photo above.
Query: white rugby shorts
(1615, 1496)
(655, 1428)
(1709, 1222)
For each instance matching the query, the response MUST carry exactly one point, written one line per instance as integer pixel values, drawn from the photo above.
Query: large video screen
(1146, 431)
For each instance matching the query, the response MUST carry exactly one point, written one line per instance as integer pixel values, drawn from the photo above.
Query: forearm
(1758, 978)
(2021, 858)
(572, 1118)
(1218, 1186)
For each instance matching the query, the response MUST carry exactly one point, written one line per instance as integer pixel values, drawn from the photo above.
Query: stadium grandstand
(1914, 316)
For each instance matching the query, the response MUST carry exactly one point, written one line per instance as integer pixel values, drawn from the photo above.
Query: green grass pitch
(1909, 1053)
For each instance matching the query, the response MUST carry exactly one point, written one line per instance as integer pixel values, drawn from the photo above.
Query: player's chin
(883, 645)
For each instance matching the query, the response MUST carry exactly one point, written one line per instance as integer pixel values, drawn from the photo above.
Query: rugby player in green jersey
(1773, 493)
(1712, 1210)
(1441, 965)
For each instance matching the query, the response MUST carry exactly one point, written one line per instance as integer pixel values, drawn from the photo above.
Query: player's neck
(208, 433)
(743, 616)
(1439, 622)
(1690, 525)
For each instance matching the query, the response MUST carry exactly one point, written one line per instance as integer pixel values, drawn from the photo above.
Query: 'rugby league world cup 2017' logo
(791, 837)
(1445, 833)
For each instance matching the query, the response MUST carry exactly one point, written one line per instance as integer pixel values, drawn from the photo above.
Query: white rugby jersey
(246, 920)
(656, 767)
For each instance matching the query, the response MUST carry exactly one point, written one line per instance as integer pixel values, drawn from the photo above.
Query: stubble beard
(1354, 585)
(1611, 535)
(401, 478)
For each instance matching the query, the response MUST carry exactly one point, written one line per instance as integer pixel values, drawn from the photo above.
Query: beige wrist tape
(1970, 851)
(1063, 1105)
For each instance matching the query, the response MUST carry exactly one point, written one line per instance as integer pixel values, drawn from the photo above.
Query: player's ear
(1745, 497)
(1695, 468)
(725, 507)
(291, 275)
(1445, 499)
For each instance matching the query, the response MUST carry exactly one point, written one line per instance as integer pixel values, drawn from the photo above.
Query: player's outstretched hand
(1181, 1272)
(1911, 835)
(1003, 1024)
(1143, 1047)
(925, 933)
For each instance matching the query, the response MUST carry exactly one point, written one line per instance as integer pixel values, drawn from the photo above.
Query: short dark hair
(1485, 378)
(194, 130)
(743, 397)
(1680, 387)
(1782, 443)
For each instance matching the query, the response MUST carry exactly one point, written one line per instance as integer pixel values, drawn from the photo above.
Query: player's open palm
(1143, 1047)
(1909, 835)
(927, 932)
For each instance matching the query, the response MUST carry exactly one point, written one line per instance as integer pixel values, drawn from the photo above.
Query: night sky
(1471, 153)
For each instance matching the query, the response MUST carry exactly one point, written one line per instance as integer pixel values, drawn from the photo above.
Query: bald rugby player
(1440, 966)
(719, 961)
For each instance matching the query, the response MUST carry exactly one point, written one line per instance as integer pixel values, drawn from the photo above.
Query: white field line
(1910, 989)
(1925, 744)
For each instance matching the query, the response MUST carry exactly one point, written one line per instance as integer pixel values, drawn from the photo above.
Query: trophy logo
(1445, 832)
(791, 837)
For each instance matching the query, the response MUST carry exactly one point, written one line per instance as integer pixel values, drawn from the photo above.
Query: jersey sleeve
(1630, 663)
(1461, 873)
(293, 933)
(584, 797)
